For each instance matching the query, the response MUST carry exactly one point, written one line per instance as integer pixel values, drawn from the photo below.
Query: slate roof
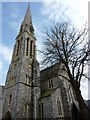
(49, 72)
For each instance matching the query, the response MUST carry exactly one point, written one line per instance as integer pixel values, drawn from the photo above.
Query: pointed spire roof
(27, 19)
(27, 22)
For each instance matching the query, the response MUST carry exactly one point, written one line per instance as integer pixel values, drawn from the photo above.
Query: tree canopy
(67, 44)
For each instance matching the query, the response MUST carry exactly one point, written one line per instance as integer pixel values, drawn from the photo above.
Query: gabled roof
(50, 72)
(48, 93)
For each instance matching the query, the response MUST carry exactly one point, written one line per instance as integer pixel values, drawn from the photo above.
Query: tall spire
(27, 22)
(27, 19)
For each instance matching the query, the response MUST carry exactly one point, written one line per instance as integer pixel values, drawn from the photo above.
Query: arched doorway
(7, 116)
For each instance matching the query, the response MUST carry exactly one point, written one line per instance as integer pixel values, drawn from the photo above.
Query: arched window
(59, 107)
(27, 110)
(27, 47)
(31, 47)
(50, 83)
(21, 42)
(17, 49)
(34, 50)
(10, 98)
(28, 79)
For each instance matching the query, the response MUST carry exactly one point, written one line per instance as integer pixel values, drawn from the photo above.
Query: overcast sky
(75, 11)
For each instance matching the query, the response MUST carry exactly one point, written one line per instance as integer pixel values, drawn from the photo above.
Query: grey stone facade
(22, 88)
(1, 100)
(59, 89)
(29, 93)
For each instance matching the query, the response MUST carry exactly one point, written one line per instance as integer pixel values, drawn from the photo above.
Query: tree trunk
(84, 112)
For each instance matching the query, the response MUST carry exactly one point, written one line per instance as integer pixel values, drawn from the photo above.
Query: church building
(29, 92)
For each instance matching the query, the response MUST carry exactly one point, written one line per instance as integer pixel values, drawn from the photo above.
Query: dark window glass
(59, 107)
(31, 43)
(17, 50)
(27, 48)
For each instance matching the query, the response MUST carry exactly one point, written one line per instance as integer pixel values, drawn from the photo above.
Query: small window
(28, 79)
(59, 107)
(10, 98)
(50, 83)
(27, 111)
(21, 42)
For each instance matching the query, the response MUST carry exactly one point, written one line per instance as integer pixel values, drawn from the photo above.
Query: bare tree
(69, 45)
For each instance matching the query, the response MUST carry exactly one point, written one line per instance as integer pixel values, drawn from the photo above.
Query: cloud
(5, 57)
(15, 25)
(15, 17)
(59, 10)
(5, 53)
(52, 9)
(16, 20)
(14, 13)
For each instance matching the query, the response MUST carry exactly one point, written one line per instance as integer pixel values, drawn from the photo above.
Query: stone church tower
(22, 88)
(31, 93)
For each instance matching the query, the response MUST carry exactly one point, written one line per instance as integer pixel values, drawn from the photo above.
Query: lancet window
(31, 47)
(17, 49)
(28, 79)
(59, 106)
(10, 98)
(27, 111)
(50, 83)
(27, 47)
